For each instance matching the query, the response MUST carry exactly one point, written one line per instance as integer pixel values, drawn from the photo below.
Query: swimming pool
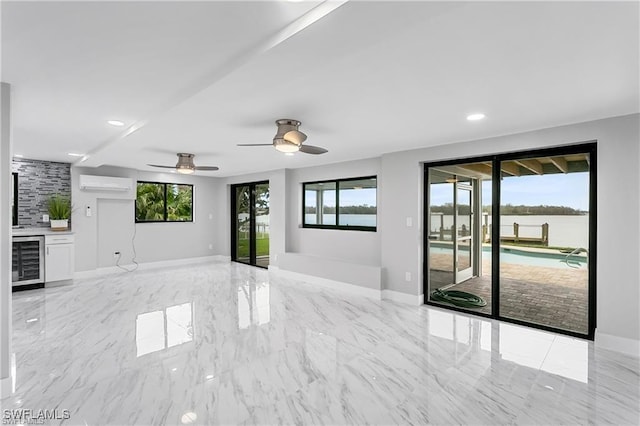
(522, 257)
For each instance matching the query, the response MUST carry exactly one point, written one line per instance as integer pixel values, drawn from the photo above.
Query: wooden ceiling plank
(534, 165)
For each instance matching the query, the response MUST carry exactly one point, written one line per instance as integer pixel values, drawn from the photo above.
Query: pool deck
(555, 297)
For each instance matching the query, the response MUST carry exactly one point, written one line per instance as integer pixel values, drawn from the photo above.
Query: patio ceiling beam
(534, 165)
(510, 168)
(560, 163)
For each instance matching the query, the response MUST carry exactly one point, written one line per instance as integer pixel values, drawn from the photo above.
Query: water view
(345, 219)
(564, 230)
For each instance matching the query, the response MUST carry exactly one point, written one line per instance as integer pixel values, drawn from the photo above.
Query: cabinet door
(58, 262)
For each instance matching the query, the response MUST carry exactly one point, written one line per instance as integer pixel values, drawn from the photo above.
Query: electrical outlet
(45, 218)
(407, 276)
(210, 246)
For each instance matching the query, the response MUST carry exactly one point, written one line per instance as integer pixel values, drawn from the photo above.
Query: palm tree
(150, 202)
(179, 202)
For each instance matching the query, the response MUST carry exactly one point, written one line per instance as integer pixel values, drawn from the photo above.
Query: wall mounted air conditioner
(105, 183)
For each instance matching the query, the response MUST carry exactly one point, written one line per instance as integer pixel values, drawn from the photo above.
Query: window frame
(337, 225)
(166, 218)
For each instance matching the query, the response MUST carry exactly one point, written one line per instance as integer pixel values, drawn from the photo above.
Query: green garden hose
(458, 298)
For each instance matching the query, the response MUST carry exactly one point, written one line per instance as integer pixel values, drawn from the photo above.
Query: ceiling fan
(289, 139)
(185, 165)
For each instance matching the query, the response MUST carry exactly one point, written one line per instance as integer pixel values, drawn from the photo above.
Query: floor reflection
(555, 354)
(253, 304)
(164, 329)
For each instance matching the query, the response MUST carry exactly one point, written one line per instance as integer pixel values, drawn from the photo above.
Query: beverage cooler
(27, 261)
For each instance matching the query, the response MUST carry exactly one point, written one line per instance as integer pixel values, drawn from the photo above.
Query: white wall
(5, 240)
(112, 224)
(348, 246)
(618, 287)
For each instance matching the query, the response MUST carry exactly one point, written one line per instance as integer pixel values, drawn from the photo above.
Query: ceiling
(365, 78)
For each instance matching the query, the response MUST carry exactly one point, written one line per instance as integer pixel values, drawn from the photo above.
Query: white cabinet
(59, 257)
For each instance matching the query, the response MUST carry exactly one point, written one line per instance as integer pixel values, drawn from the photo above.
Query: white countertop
(28, 232)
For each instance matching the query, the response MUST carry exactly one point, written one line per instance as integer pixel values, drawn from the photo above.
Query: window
(164, 202)
(341, 204)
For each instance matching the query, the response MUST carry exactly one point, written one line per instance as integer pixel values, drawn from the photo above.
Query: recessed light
(209, 376)
(116, 123)
(18, 155)
(475, 117)
(74, 154)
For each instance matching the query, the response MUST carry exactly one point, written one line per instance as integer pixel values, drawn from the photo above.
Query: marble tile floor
(225, 343)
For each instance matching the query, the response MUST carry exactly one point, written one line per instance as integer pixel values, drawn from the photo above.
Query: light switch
(409, 222)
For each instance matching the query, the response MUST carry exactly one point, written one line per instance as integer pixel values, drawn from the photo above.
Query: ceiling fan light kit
(185, 163)
(288, 138)
(285, 146)
(184, 170)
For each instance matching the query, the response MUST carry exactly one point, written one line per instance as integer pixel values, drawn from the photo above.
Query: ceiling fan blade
(163, 167)
(255, 144)
(209, 168)
(310, 149)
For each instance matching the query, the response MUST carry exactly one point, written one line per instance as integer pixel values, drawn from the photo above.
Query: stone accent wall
(37, 181)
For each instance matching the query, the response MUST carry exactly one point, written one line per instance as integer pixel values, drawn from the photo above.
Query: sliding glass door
(250, 223)
(459, 268)
(544, 241)
(512, 236)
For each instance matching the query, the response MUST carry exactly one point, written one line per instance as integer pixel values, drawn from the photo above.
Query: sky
(569, 190)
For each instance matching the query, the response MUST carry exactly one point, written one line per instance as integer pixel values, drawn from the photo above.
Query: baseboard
(6, 387)
(331, 284)
(617, 343)
(110, 270)
(409, 299)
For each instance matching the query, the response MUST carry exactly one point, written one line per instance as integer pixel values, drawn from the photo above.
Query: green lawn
(262, 247)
